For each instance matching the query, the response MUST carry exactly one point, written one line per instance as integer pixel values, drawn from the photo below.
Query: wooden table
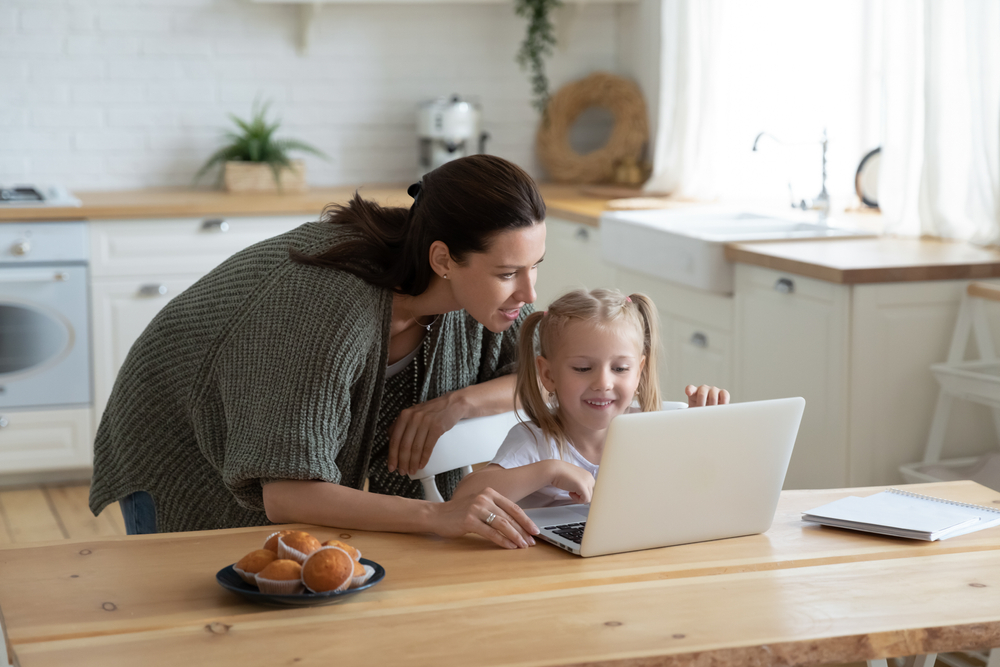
(799, 594)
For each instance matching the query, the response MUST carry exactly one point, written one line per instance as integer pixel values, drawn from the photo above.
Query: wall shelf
(309, 9)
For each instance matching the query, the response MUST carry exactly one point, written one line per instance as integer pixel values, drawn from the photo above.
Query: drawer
(39, 440)
(177, 246)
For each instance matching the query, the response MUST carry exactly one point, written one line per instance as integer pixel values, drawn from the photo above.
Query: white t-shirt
(525, 444)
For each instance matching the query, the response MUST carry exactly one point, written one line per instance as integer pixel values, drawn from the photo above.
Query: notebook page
(894, 510)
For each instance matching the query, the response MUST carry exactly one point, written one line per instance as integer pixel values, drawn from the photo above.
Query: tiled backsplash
(109, 94)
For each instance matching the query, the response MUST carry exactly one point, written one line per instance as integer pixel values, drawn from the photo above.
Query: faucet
(820, 202)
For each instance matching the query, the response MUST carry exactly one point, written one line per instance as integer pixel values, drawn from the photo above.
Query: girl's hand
(705, 395)
(415, 432)
(573, 479)
(510, 528)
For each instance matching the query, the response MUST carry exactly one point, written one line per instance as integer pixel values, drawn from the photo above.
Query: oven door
(44, 336)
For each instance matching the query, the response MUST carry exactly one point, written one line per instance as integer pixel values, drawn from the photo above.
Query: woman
(335, 353)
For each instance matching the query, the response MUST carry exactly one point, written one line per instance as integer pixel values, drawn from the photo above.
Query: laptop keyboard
(569, 531)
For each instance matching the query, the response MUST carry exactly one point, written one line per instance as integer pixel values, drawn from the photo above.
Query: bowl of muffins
(293, 568)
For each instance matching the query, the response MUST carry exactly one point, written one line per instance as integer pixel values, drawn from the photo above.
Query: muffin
(362, 573)
(271, 543)
(351, 551)
(297, 545)
(280, 577)
(328, 569)
(255, 561)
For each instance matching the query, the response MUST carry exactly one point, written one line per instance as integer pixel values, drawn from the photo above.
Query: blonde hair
(606, 308)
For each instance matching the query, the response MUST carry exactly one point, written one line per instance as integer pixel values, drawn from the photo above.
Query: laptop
(681, 476)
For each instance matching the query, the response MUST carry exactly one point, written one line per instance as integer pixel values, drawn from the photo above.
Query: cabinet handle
(3, 422)
(154, 289)
(698, 339)
(784, 285)
(582, 234)
(215, 225)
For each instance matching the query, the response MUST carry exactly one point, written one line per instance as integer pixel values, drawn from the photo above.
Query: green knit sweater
(266, 369)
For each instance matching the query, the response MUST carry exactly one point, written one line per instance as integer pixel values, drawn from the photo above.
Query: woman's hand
(415, 432)
(578, 482)
(705, 395)
(510, 528)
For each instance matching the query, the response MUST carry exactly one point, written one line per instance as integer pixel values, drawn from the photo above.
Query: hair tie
(544, 313)
(414, 190)
(629, 299)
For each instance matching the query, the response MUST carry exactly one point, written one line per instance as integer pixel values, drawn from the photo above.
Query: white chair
(474, 441)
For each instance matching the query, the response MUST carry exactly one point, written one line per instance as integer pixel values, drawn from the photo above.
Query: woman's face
(493, 285)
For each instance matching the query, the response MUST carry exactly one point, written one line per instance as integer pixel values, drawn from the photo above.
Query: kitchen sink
(687, 246)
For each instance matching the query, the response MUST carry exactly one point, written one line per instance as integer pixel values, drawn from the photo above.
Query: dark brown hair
(462, 203)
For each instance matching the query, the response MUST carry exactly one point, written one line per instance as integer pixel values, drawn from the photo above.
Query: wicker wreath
(628, 137)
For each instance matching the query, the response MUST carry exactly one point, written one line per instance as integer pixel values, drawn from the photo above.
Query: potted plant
(255, 161)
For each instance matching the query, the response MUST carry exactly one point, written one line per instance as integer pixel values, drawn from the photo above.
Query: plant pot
(258, 177)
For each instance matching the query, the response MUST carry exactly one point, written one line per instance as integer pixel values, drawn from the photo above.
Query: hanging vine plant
(537, 44)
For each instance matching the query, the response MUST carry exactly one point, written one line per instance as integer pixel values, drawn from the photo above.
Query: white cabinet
(137, 266)
(860, 355)
(572, 261)
(44, 440)
(792, 340)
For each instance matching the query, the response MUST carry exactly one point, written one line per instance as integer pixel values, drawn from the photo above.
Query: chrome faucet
(820, 202)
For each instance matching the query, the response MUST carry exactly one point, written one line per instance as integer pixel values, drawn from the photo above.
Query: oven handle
(35, 277)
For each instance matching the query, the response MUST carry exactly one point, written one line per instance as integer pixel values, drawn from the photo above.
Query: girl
(597, 357)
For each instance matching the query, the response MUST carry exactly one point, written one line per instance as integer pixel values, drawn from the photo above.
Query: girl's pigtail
(527, 388)
(649, 382)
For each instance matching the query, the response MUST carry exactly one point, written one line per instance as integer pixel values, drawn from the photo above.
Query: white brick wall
(117, 94)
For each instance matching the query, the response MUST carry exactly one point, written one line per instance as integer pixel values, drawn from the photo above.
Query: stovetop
(33, 196)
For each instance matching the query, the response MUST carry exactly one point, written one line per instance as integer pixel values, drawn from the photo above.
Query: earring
(445, 276)
(551, 394)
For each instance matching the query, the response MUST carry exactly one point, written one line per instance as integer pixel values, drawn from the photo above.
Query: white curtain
(920, 78)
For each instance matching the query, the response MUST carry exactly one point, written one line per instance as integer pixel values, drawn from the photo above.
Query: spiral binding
(943, 501)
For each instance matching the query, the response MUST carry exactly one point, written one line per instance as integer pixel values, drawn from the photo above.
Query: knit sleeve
(298, 386)
(499, 355)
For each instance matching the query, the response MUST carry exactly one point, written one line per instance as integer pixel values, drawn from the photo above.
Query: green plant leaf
(538, 43)
(254, 141)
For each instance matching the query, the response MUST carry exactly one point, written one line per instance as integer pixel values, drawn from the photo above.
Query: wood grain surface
(879, 260)
(813, 594)
(562, 201)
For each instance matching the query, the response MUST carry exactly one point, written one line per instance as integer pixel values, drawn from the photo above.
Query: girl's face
(594, 372)
(493, 285)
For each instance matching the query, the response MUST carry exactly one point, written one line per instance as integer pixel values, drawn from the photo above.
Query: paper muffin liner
(343, 586)
(291, 553)
(279, 586)
(248, 577)
(361, 579)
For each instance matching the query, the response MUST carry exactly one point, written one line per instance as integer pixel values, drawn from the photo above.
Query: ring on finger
(489, 519)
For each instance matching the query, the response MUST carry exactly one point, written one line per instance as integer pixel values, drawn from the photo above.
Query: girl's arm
(518, 482)
(327, 504)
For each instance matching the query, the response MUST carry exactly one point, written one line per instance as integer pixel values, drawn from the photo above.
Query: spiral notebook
(905, 514)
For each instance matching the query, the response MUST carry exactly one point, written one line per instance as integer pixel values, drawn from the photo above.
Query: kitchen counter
(562, 201)
(872, 260)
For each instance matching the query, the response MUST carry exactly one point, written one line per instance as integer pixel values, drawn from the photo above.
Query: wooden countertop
(562, 201)
(798, 594)
(872, 260)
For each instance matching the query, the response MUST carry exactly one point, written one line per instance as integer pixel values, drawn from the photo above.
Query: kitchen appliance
(448, 128)
(44, 321)
(33, 196)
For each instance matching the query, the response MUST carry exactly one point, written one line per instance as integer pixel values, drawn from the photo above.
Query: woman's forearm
(327, 504)
(513, 483)
(487, 398)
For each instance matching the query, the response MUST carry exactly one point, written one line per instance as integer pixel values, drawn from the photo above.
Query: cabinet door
(792, 338)
(701, 355)
(898, 331)
(122, 310)
(177, 246)
(572, 261)
(41, 440)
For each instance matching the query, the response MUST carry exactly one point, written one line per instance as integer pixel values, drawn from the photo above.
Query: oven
(44, 321)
